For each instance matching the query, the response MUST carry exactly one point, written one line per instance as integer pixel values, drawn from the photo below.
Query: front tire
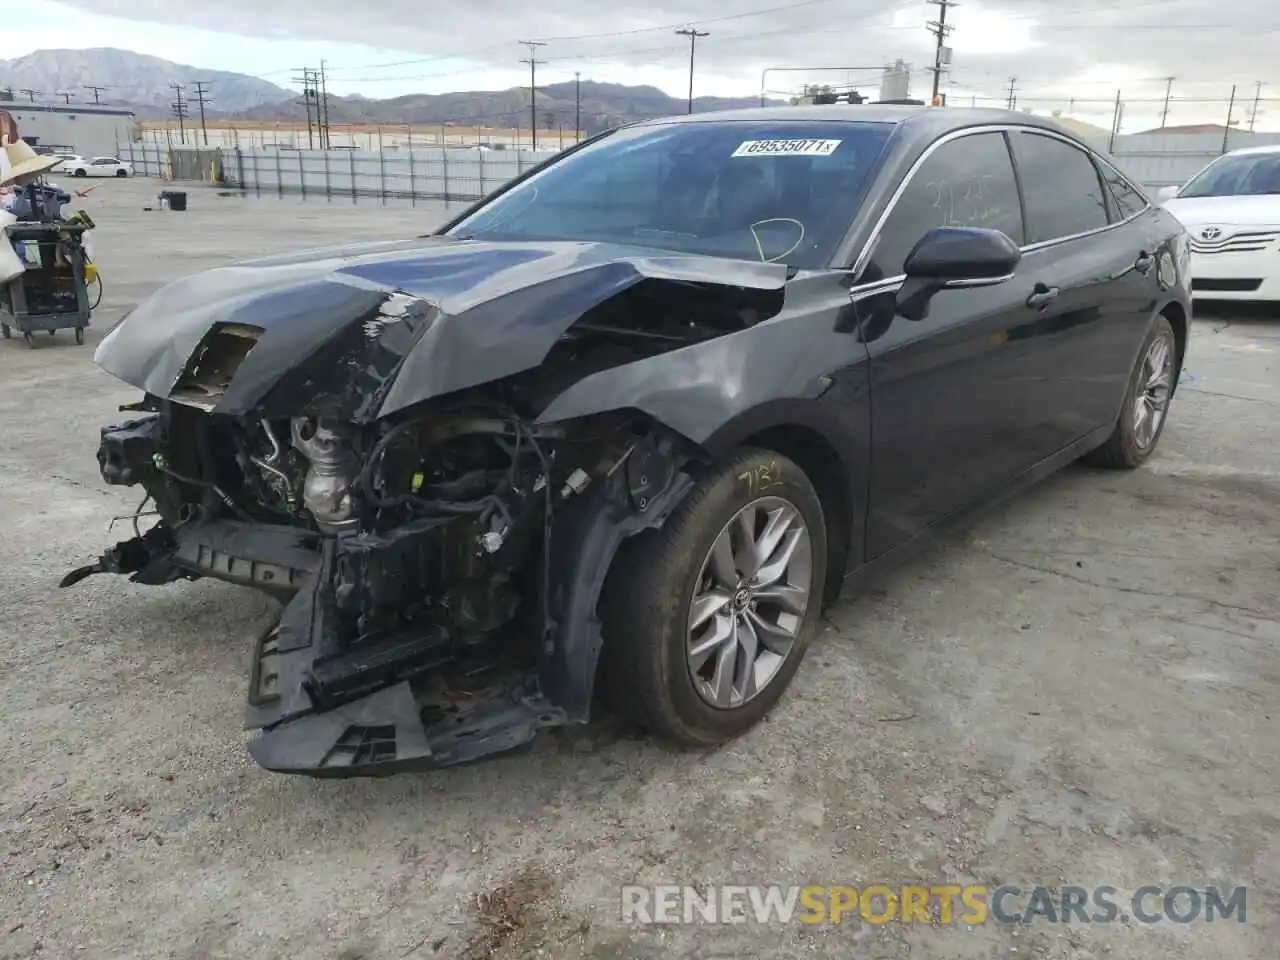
(79, 173)
(1146, 402)
(706, 619)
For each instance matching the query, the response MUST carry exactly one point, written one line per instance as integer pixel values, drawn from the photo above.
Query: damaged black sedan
(635, 417)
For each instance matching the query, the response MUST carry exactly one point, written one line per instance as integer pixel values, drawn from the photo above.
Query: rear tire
(79, 173)
(1146, 403)
(689, 684)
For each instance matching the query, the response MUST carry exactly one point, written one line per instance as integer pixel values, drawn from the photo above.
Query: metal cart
(50, 294)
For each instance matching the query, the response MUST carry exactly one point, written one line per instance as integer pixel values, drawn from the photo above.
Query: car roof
(1264, 148)
(930, 120)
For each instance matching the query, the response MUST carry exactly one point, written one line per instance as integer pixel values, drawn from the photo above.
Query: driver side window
(968, 182)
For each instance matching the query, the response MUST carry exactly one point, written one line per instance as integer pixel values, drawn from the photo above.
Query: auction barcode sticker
(786, 148)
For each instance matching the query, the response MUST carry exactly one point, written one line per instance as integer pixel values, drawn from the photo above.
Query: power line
(180, 110)
(941, 30)
(721, 40)
(566, 38)
(202, 100)
(693, 23)
(96, 92)
(693, 36)
(533, 62)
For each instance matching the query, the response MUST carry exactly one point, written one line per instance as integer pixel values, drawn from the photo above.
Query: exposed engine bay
(423, 548)
(434, 487)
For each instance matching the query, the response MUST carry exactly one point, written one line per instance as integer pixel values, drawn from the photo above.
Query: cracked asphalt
(1081, 688)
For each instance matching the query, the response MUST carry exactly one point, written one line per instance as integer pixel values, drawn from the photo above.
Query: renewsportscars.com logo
(934, 904)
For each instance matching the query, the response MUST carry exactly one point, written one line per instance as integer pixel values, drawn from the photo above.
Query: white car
(96, 167)
(1231, 210)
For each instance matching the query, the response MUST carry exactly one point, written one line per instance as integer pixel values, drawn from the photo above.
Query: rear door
(956, 398)
(1103, 266)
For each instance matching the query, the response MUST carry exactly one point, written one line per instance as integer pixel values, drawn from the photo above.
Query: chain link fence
(439, 174)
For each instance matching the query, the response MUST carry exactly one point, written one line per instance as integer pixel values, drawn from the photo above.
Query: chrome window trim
(880, 286)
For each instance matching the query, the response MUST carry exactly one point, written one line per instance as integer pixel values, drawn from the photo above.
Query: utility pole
(533, 87)
(308, 95)
(941, 31)
(323, 109)
(1168, 94)
(1257, 98)
(180, 111)
(66, 97)
(693, 36)
(1231, 109)
(1013, 86)
(577, 106)
(96, 91)
(31, 94)
(202, 100)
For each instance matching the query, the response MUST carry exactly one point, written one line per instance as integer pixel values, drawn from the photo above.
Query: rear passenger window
(966, 182)
(1126, 200)
(1060, 187)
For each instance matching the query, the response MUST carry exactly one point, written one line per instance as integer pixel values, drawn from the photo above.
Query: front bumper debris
(329, 710)
(338, 688)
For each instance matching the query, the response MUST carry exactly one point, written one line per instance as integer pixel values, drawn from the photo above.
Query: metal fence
(428, 174)
(469, 173)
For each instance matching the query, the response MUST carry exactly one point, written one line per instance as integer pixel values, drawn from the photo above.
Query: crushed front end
(419, 449)
(438, 574)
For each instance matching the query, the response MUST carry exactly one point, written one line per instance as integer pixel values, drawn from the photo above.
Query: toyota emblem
(1210, 233)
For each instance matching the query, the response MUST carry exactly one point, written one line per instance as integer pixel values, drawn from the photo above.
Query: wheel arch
(821, 440)
(826, 440)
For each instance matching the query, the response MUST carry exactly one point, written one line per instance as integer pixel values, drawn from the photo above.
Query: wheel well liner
(1176, 314)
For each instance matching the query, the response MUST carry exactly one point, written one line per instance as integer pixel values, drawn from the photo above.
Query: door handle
(1145, 262)
(1042, 297)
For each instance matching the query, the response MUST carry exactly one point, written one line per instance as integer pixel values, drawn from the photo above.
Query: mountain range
(136, 81)
(143, 84)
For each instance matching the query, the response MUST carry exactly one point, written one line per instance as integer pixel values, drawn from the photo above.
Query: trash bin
(176, 199)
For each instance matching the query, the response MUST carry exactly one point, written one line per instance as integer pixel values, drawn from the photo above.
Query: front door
(955, 397)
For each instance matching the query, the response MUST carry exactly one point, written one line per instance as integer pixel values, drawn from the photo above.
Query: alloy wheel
(749, 602)
(1155, 386)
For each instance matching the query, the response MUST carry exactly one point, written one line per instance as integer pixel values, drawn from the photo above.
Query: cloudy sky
(1067, 56)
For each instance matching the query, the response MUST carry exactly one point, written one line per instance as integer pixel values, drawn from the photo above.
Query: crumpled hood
(378, 327)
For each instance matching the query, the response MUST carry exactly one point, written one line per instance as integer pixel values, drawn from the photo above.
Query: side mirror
(953, 258)
(1167, 193)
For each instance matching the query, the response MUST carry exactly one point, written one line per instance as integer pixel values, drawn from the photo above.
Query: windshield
(1244, 175)
(778, 191)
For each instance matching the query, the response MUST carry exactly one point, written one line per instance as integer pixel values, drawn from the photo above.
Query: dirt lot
(1081, 689)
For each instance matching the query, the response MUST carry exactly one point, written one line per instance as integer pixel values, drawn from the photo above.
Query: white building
(86, 129)
(895, 83)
